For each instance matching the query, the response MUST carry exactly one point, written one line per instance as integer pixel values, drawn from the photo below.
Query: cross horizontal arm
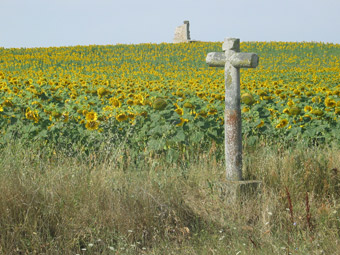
(244, 60)
(238, 60)
(216, 59)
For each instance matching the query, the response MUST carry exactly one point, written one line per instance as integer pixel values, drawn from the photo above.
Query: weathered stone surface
(232, 61)
(244, 60)
(216, 59)
(182, 33)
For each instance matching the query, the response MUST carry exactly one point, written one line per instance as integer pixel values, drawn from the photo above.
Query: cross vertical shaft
(232, 113)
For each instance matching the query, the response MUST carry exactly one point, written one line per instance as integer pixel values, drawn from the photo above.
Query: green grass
(108, 203)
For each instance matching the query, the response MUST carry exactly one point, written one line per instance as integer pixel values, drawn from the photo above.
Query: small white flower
(270, 213)
(90, 244)
(111, 248)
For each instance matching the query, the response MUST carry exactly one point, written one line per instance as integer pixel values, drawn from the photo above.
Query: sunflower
(159, 104)
(202, 113)
(182, 122)
(101, 92)
(294, 110)
(115, 102)
(65, 116)
(309, 93)
(317, 112)
(131, 115)
(144, 114)
(179, 93)
(316, 99)
(245, 109)
(261, 93)
(121, 117)
(286, 110)
(329, 102)
(179, 111)
(200, 94)
(212, 111)
(91, 116)
(92, 125)
(7, 103)
(261, 124)
(307, 108)
(283, 96)
(129, 102)
(337, 111)
(282, 123)
(188, 105)
(218, 97)
(32, 115)
(247, 99)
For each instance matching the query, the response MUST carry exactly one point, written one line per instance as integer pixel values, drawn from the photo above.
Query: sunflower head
(144, 114)
(101, 92)
(129, 101)
(329, 102)
(316, 99)
(179, 111)
(92, 125)
(261, 93)
(212, 111)
(294, 110)
(245, 109)
(247, 99)
(182, 122)
(188, 105)
(307, 108)
(179, 93)
(91, 116)
(317, 112)
(282, 123)
(114, 102)
(159, 104)
(337, 111)
(121, 117)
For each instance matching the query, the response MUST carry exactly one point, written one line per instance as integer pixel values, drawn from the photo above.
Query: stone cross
(232, 60)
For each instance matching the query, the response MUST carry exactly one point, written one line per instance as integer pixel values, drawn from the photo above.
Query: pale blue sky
(43, 23)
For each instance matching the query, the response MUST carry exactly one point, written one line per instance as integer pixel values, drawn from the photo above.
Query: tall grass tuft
(107, 203)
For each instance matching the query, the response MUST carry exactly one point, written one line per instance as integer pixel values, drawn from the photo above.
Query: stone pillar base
(234, 191)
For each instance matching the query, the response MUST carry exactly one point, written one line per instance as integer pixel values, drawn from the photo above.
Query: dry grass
(107, 204)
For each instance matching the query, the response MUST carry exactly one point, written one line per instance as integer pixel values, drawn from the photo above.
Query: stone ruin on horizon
(182, 33)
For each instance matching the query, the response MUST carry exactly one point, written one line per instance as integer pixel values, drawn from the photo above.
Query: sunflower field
(162, 96)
